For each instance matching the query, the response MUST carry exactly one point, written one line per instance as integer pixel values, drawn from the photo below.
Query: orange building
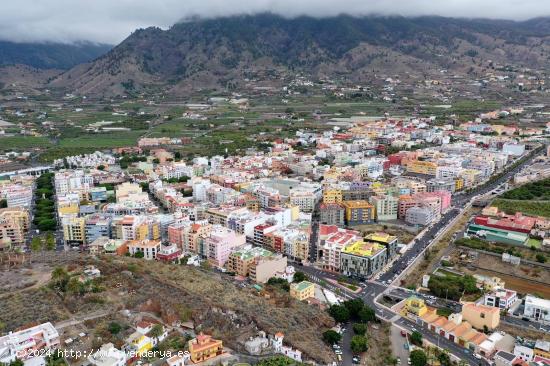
(204, 347)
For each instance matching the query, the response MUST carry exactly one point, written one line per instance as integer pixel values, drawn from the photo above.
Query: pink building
(175, 234)
(332, 240)
(221, 243)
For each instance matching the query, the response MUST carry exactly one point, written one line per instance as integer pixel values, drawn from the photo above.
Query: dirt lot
(24, 278)
(519, 278)
(402, 234)
(380, 351)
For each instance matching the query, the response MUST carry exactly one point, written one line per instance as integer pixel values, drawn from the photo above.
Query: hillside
(224, 51)
(49, 55)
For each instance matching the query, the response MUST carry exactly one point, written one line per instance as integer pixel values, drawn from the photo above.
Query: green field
(24, 142)
(533, 208)
(102, 141)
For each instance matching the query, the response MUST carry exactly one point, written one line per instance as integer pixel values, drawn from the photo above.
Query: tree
(418, 358)
(101, 167)
(354, 307)
(299, 277)
(358, 344)
(331, 337)
(359, 328)
(156, 331)
(3, 203)
(114, 328)
(139, 255)
(177, 156)
(50, 242)
(444, 359)
(36, 244)
(416, 338)
(541, 258)
(367, 314)
(339, 312)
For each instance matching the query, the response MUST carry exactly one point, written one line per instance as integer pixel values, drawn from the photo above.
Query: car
(403, 333)
(398, 360)
(339, 357)
(409, 361)
(338, 352)
(478, 356)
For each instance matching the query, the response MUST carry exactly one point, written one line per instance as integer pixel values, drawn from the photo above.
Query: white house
(108, 355)
(537, 308)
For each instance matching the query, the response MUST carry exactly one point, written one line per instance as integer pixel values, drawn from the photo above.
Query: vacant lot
(534, 208)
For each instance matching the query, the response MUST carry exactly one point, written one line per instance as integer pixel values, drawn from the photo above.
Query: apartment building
(240, 260)
(481, 316)
(358, 212)
(220, 243)
(14, 225)
(331, 242)
(265, 267)
(362, 259)
(97, 226)
(500, 298)
(386, 207)
(422, 167)
(332, 214)
(74, 230)
(302, 291)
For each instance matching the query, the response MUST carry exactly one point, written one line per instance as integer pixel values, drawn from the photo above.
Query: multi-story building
(149, 248)
(240, 261)
(220, 243)
(265, 267)
(27, 343)
(358, 212)
(14, 225)
(362, 259)
(332, 214)
(72, 181)
(17, 195)
(537, 308)
(420, 215)
(74, 230)
(386, 207)
(302, 291)
(97, 226)
(501, 298)
(331, 242)
(447, 185)
(204, 347)
(422, 167)
(304, 199)
(481, 316)
(332, 196)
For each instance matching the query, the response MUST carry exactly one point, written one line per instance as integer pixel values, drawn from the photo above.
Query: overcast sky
(110, 21)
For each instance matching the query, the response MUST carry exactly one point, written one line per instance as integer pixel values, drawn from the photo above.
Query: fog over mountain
(108, 21)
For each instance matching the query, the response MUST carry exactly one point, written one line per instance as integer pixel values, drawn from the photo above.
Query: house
(179, 359)
(302, 290)
(481, 316)
(149, 248)
(414, 307)
(503, 358)
(537, 308)
(108, 355)
(25, 343)
(501, 298)
(204, 347)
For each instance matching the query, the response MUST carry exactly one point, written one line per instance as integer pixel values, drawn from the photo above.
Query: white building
(537, 308)
(501, 298)
(524, 352)
(108, 355)
(22, 344)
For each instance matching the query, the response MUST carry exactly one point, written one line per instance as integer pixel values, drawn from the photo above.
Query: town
(433, 234)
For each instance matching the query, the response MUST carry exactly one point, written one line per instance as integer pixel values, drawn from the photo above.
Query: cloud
(110, 21)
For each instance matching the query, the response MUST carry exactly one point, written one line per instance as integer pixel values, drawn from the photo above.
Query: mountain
(49, 55)
(209, 53)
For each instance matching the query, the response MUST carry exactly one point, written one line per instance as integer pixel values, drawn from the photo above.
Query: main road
(371, 291)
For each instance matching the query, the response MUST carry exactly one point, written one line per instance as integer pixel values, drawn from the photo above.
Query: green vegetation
(331, 337)
(114, 328)
(475, 243)
(44, 215)
(534, 208)
(541, 258)
(358, 344)
(539, 190)
(444, 312)
(300, 276)
(354, 309)
(418, 358)
(278, 361)
(24, 142)
(416, 338)
(359, 328)
(279, 283)
(103, 140)
(452, 287)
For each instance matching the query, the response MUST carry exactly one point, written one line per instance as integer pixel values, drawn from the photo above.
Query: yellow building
(542, 349)
(14, 224)
(74, 230)
(422, 167)
(459, 184)
(302, 290)
(204, 347)
(70, 209)
(141, 343)
(481, 316)
(332, 196)
(414, 307)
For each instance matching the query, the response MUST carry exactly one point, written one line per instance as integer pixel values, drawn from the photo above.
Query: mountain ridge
(215, 53)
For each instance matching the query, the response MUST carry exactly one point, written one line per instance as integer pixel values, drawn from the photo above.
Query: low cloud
(110, 21)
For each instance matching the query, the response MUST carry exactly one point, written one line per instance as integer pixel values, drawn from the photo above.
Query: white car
(478, 356)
